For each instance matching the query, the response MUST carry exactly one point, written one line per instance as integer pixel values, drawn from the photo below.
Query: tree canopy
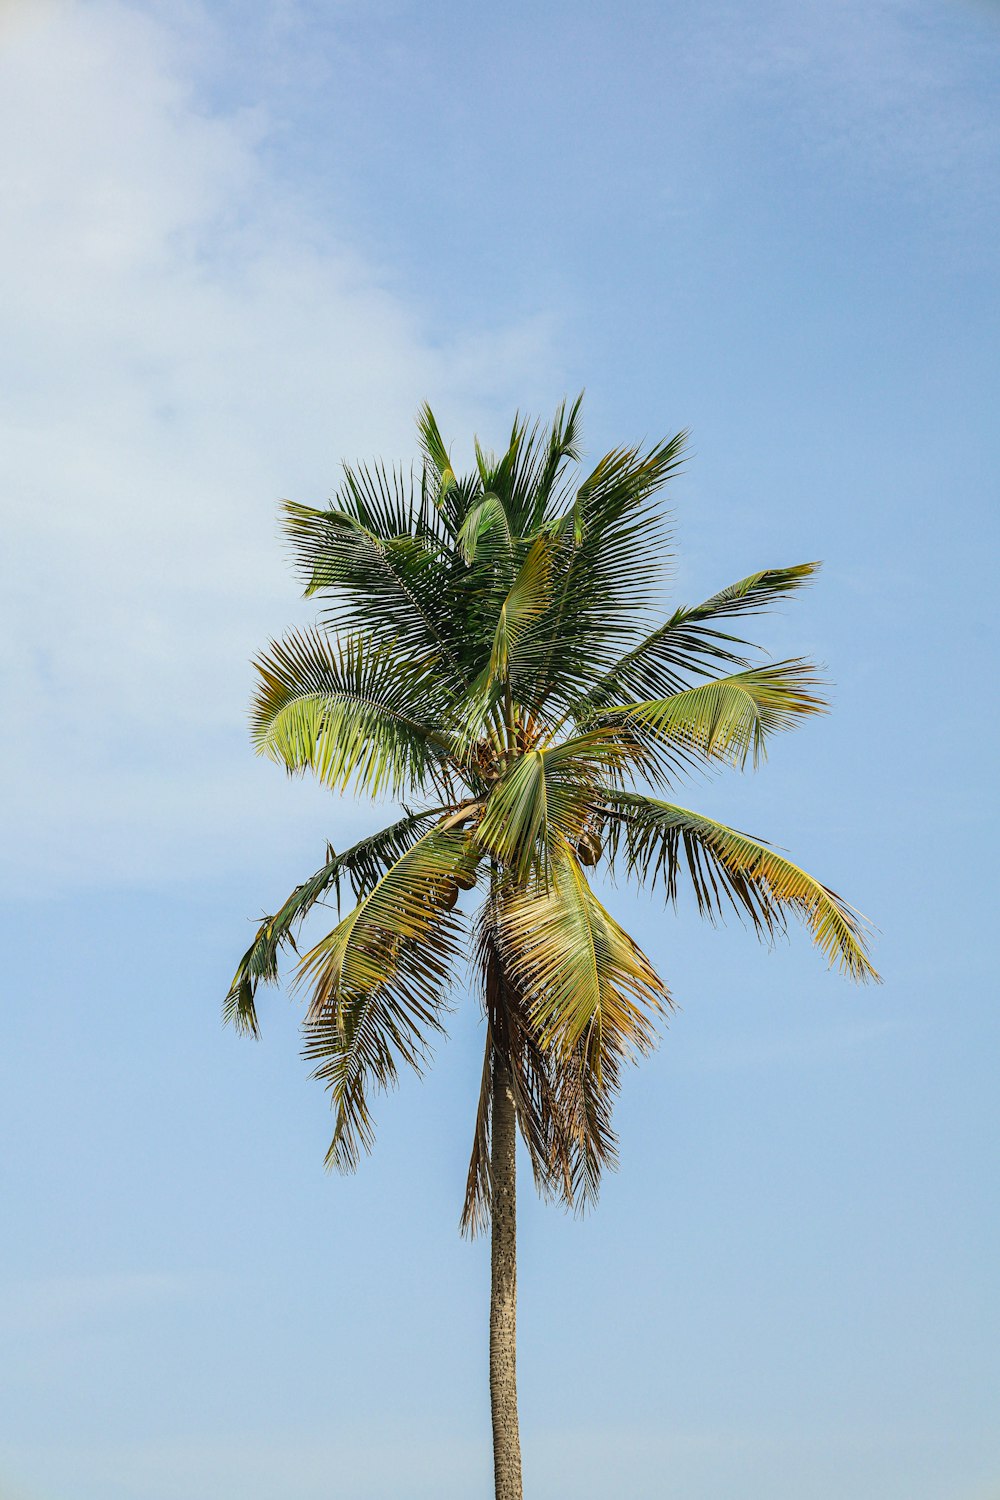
(491, 654)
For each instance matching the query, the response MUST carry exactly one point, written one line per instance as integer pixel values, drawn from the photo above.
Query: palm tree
(487, 656)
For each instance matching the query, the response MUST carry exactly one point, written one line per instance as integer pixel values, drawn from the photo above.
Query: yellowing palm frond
(726, 866)
(546, 796)
(363, 864)
(563, 1103)
(732, 717)
(585, 979)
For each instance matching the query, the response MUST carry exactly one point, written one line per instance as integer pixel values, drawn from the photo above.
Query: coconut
(589, 849)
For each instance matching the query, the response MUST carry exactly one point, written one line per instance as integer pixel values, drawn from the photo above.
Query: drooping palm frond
(511, 1040)
(363, 863)
(378, 981)
(547, 797)
(724, 867)
(348, 710)
(563, 1105)
(584, 977)
(729, 718)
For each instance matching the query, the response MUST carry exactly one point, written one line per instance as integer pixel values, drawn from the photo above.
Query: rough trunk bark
(503, 1291)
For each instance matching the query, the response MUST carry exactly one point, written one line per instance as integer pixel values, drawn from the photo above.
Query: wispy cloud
(182, 343)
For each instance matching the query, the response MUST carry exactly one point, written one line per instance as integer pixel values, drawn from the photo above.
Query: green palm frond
(611, 543)
(384, 501)
(451, 495)
(363, 863)
(585, 979)
(546, 797)
(485, 536)
(534, 467)
(504, 610)
(396, 590)
(432, 446)
(378, 981)
(728, 867)
(685, 645)
(730, 718)
(528, 599)
(757, 592)
(349, 711)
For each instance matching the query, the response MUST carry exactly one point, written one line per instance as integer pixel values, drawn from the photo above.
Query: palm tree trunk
(503, 1289)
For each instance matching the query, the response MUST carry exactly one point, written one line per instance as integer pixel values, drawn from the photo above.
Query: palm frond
(610, 548)
(548, 796)
(395, 589)
(349, 711)
(731, 717)
(585, 979)
(562, 1106)
(379, 979)
(363, 863)
(686, 646)
(534, 465)
(432, 444)
(726, 867)
(755, 593)
(528, 598)
(485, 534)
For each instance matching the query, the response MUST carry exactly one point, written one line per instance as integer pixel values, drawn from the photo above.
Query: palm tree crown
(489, 655)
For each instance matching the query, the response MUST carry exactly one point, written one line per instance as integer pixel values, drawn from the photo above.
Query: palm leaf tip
(433, 447)
(753, 594)
(239, 1008)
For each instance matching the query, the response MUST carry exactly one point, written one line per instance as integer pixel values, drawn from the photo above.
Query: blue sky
(241, 242)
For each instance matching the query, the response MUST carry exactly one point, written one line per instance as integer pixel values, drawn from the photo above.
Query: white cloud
(183, 343)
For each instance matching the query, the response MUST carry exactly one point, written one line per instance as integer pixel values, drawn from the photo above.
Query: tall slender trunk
(503, 1289)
